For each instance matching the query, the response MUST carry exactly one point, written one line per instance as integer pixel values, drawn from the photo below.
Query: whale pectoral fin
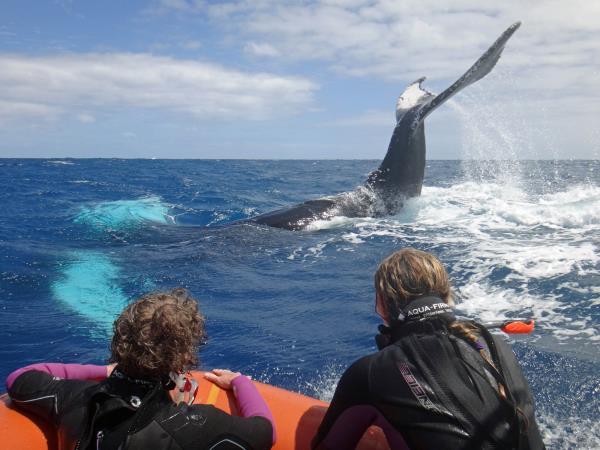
(298, 216)
(480, 69)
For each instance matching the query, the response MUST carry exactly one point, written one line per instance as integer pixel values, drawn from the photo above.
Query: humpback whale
(400, 174)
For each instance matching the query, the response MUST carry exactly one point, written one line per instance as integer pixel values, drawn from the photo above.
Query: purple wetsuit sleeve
(352, 424)
(249, 401)
(65, 371)
(352, 412)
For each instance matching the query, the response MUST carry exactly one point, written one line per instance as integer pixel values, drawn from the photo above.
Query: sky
(293, 79)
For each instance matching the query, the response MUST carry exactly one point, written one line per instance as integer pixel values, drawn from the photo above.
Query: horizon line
(56, 158)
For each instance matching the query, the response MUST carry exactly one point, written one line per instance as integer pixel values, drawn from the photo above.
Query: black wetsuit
(120, 413)
(430, 389)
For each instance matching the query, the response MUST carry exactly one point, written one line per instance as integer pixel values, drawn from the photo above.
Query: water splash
(323, 387)
(573, 432)
(508, 246)
(497, 138)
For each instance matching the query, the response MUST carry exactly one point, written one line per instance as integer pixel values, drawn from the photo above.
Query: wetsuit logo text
(415, 387)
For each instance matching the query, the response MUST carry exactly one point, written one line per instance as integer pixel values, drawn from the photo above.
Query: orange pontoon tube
(297, 418)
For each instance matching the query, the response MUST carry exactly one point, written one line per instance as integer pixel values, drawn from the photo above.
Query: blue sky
(293, 79)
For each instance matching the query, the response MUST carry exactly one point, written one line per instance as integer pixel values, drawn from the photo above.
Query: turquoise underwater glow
(124, 214)
(89, 286)
(90, 281)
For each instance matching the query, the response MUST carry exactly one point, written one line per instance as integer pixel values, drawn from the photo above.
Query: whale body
(400, 174)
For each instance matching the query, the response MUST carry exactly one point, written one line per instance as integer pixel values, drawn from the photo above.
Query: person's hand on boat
(221, 377)
(110, 368)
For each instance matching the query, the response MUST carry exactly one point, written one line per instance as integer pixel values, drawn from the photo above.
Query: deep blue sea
(81, 238)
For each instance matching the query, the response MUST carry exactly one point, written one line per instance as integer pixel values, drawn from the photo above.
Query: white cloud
(548, 74)
(11, 110)
(261, 49)
(398, 40)
(404, 40)
(180, 5)
(45, 86)
(369, 118)
(86, 118)
(191, 45)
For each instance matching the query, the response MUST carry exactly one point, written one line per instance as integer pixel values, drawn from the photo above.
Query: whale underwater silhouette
(400, 174)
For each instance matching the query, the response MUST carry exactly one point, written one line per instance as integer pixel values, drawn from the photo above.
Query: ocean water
(79, 239)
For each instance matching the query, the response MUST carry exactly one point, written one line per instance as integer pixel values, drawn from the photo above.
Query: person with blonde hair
(436, 382)
(143, 400)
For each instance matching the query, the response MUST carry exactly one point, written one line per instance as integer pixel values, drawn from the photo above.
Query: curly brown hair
(158, 334)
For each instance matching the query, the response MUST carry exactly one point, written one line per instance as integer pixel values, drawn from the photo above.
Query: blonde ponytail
(468, 333)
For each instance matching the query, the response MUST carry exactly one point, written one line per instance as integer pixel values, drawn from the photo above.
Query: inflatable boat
(297, 418)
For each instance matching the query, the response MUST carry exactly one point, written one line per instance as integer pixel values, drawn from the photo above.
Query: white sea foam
(330, 224)
(491, 303)
(571, 433)
(575, 287)
(66, 163)
(81, 181)
(499, 242)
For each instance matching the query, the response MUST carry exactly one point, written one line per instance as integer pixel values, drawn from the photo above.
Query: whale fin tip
(412, 96)
(477, 71)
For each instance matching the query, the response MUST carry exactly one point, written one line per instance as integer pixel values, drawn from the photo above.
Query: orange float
(297, 418)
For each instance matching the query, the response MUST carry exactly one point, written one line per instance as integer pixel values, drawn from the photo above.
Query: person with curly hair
(142, 400)
(436, 382)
